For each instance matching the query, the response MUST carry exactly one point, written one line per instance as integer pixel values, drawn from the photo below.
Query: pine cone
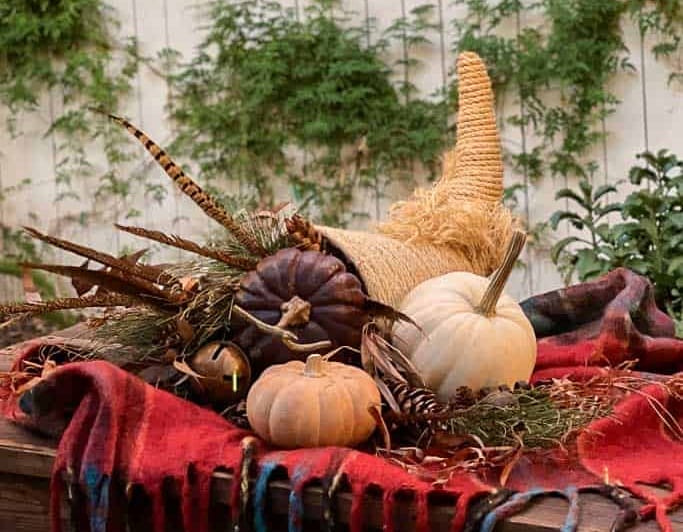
(415, 401)
(464, 397)
(304, 234)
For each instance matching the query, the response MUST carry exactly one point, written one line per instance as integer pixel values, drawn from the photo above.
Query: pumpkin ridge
(323, 391)
(349, 401)
(292, 269)
(266, 415)
(268, 271)
(314, 296)
(246, 287)
(314, 264)
(429, 368)
(328, 312)
(286, 391)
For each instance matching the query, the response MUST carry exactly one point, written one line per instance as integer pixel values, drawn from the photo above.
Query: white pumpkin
(470, 335)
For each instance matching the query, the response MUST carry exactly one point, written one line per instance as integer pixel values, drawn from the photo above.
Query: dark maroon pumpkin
(325, 302)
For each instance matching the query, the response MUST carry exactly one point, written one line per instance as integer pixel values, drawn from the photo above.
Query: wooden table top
(26, 460)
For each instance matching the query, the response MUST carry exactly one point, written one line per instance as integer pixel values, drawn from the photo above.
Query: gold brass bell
(225, 371)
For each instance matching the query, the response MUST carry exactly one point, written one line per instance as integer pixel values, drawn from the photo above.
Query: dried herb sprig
(530, 418)
(131, 336)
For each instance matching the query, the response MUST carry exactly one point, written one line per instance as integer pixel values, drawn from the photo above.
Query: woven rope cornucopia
(459, 224)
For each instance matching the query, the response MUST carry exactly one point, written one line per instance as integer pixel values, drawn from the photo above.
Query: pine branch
(304, 233)
(126, 265)
(191, 189)
(188, 245)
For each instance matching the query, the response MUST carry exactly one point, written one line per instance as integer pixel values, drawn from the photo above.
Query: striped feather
(190, 188)
(188, 245)
(125, 264)
(113, 281)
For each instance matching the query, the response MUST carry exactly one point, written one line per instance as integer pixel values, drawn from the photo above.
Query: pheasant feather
(189, 187)
(188, 245)
(126, 265)
(113, 281)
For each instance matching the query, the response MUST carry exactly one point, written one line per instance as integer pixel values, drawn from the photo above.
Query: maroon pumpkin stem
(487, 305)
(295, 312)
(287, 337)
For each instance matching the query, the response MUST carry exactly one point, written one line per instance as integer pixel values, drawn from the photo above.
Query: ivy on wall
(270, 84)
(312, 100)
(573, 53)
(66, 50)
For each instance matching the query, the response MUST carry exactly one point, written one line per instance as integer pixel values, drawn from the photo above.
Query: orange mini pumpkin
(315, 404)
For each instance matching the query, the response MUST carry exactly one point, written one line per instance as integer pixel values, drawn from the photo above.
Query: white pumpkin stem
(314, 366)
(487, 305)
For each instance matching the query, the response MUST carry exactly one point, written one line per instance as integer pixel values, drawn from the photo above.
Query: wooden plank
(24, 453)
(24, 504)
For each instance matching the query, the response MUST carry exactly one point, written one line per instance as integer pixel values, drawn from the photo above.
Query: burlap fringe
(479, 231)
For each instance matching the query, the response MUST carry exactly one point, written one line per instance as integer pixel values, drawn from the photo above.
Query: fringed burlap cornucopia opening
(459, 224)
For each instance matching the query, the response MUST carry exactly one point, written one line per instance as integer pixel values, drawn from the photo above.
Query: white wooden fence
(650, 116)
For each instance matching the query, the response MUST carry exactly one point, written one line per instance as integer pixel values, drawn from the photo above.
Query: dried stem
(314, 366)
(295, 312)
(287, 337)
(487, 305)
(69, 303)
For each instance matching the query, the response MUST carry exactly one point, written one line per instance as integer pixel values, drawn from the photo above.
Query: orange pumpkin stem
(314, 366)
(487, 305)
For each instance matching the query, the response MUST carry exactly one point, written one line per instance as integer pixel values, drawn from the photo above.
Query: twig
(286, 337)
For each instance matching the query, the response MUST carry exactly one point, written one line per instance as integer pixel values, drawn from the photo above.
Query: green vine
(67, 49)
(559, 72)
(275, 84)
(574, 53)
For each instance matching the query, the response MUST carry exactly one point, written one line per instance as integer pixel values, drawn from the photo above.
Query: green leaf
(589, 265)
(650, 228)
(567, 193)
(675, 265)
(561, 245)
(640, 266)
(573, 218)
(606, 209)
(602, 190)
(586, 190)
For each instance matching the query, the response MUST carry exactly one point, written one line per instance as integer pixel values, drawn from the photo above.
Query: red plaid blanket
(113, 426)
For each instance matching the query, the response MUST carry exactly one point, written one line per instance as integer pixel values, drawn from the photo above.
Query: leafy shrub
(649, 241)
